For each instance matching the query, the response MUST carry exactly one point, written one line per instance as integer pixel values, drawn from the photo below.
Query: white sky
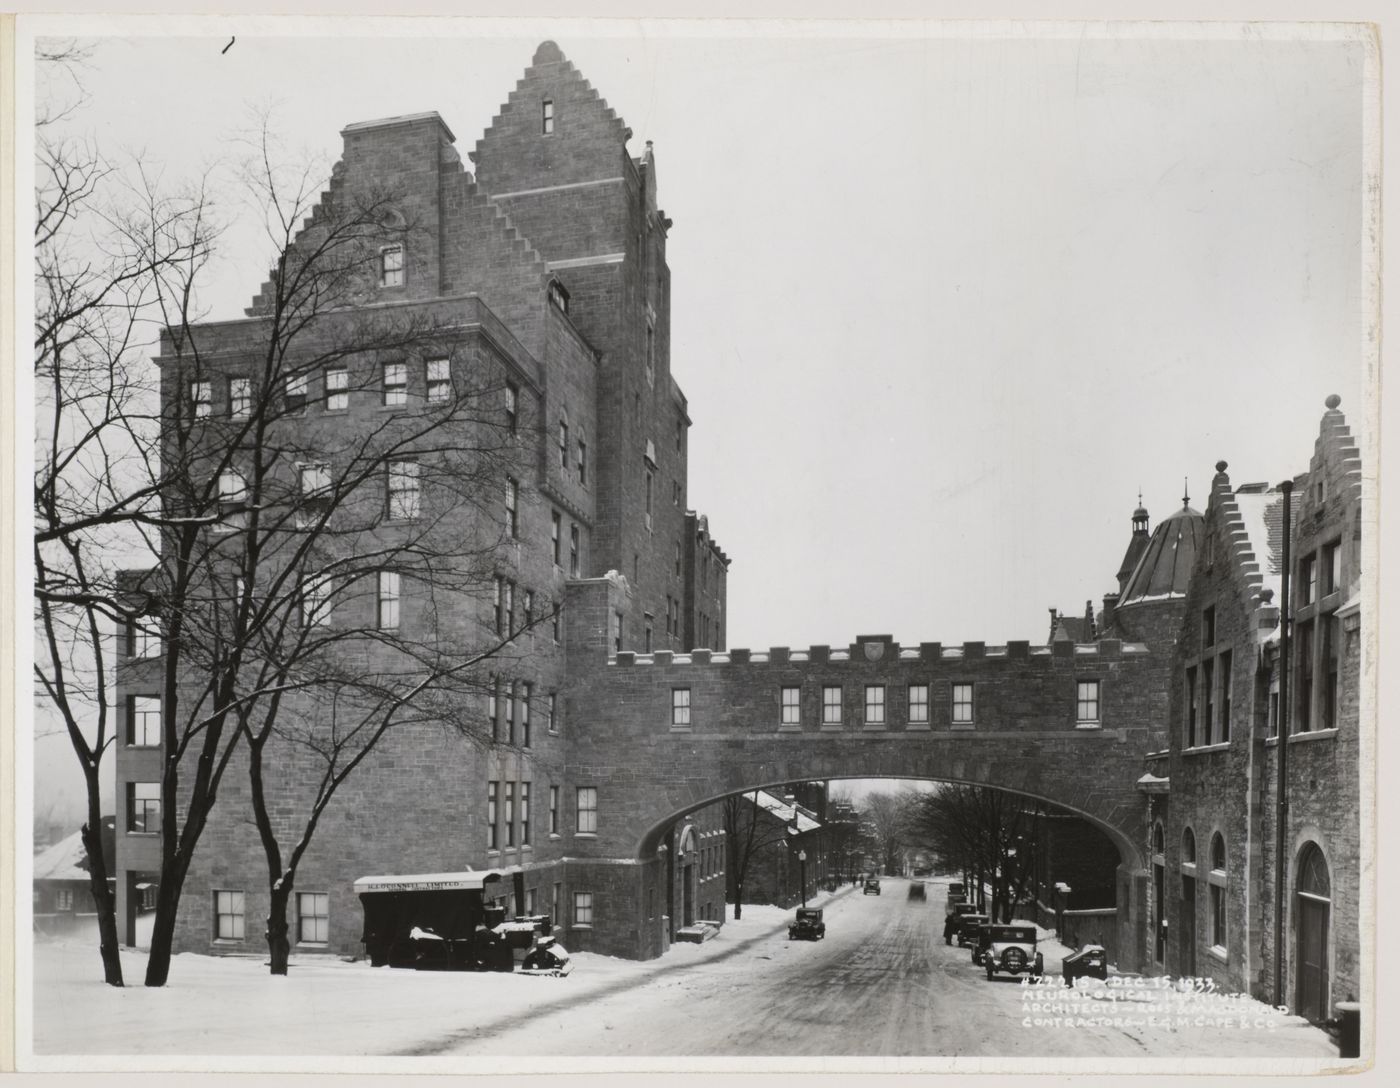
(940, 305)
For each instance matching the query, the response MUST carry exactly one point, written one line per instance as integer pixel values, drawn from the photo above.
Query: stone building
(1213, 792)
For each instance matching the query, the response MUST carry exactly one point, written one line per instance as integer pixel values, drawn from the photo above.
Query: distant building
(63, 882)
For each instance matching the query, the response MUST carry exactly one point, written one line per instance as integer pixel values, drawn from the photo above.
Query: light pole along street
(802, 873)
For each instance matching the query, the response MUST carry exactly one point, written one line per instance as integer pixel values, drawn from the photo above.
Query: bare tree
(882, 817)
(105, 250)
(987, 834)
(747, 834)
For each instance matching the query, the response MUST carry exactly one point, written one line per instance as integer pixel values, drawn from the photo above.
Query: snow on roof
(1253, 508)
(421, 882)
(783, 811)
(60, 861)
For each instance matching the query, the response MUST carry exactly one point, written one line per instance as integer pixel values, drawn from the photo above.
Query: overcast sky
(941, 305)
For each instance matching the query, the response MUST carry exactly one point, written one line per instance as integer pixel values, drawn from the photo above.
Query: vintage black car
(981, 942)
(808, 926)
(916, 890)
(1091, 960)
(969, 929)
(953, 922)
(1011, 949)
(872, 886)
(956, 891)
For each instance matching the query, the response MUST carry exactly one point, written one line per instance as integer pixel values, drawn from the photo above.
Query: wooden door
(1312, 957)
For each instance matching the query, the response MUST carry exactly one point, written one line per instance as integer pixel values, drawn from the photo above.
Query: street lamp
(802, 873)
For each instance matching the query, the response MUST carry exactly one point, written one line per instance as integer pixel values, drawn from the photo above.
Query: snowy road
(882, 982)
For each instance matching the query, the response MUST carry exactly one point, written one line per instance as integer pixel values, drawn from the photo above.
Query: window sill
(222, 941)
(1219, 746)
(585, 834)
(1218, 953)
(554, 836)
(1096, 726)
(1188, 868)
(145, 834)
(582, 925)
(679, 728)
(312, 946)
(1310, 735)
(144, 747)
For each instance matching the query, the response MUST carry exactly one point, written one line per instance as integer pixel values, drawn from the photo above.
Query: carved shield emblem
(874, 651)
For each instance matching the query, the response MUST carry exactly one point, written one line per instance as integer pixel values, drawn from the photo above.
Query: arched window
(1159, 839)
(1313, 878)
(1188, 847)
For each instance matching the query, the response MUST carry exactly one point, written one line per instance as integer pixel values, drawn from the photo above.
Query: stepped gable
(586, 143)
(1250, 525)
(321, 210)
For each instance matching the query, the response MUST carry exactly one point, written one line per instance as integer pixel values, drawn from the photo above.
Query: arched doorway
(1314, 911)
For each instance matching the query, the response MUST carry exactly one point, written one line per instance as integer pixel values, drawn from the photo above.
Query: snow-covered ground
(230, 1013)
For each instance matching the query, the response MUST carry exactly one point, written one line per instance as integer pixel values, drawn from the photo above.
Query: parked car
(969, 928)
(872, 886)
(953, 919)
(1011, 948)
(980, 943)
(1092, 959)
(808, 926)
(956, 891)
(916, 890)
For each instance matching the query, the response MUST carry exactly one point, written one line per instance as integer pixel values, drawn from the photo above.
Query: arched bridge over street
(663, 734)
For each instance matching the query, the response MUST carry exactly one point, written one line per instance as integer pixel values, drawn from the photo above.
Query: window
(1273, 709)
(874, 704)
(512, 513)
(294, 395)
(1208, 696)
(547, 117)
(499, 606)
(564, 444)
(1331, 568)
(228, 916)
(551, 722)
(201, 399)
(583, 908)
(1330, 671)
(1087, 701)
(492, 842)
(1307, 580)
(1304, 720)
(1191, 707)
(1188, 847)
(680, 434)
(831, 705)
(615, 623)
(315, 600)
(512, 407)
(395, 385)
(1217, 881)
(918, 703)
(63, 899)
(582, 463)
(143, 721)
(337, 389)
(391, 266)
(143, 808)
(388, 599)
(524, 715)
(554, 622)
(651, 355)
(525, 817)
(1226, 667)
(313, 917)
(680, 706)
(439, 380)
(558, 296)
(403, 494)
(143, 638)
(554, 810)
(510, 713)
(647, 518)
(315, 479)
(529, 606)
(573, 551)
(240, 397)
(792, 706)
(493, 704)
(962, 703)
(678, 559)
(587, 810)
(1208, 627)
(508, 607)
(647, 621)
(233, 494)
(555, 532)
(510, 814)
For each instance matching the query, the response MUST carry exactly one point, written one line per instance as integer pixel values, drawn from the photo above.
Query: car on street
(953, 921)
(956, 891)
(1011, 949)
(980, 942)
(872, 886)
(969, 928)
(808, 925)
(1091, 960)
(916, 890)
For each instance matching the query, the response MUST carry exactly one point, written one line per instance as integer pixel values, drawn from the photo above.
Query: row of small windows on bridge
(962, 705)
